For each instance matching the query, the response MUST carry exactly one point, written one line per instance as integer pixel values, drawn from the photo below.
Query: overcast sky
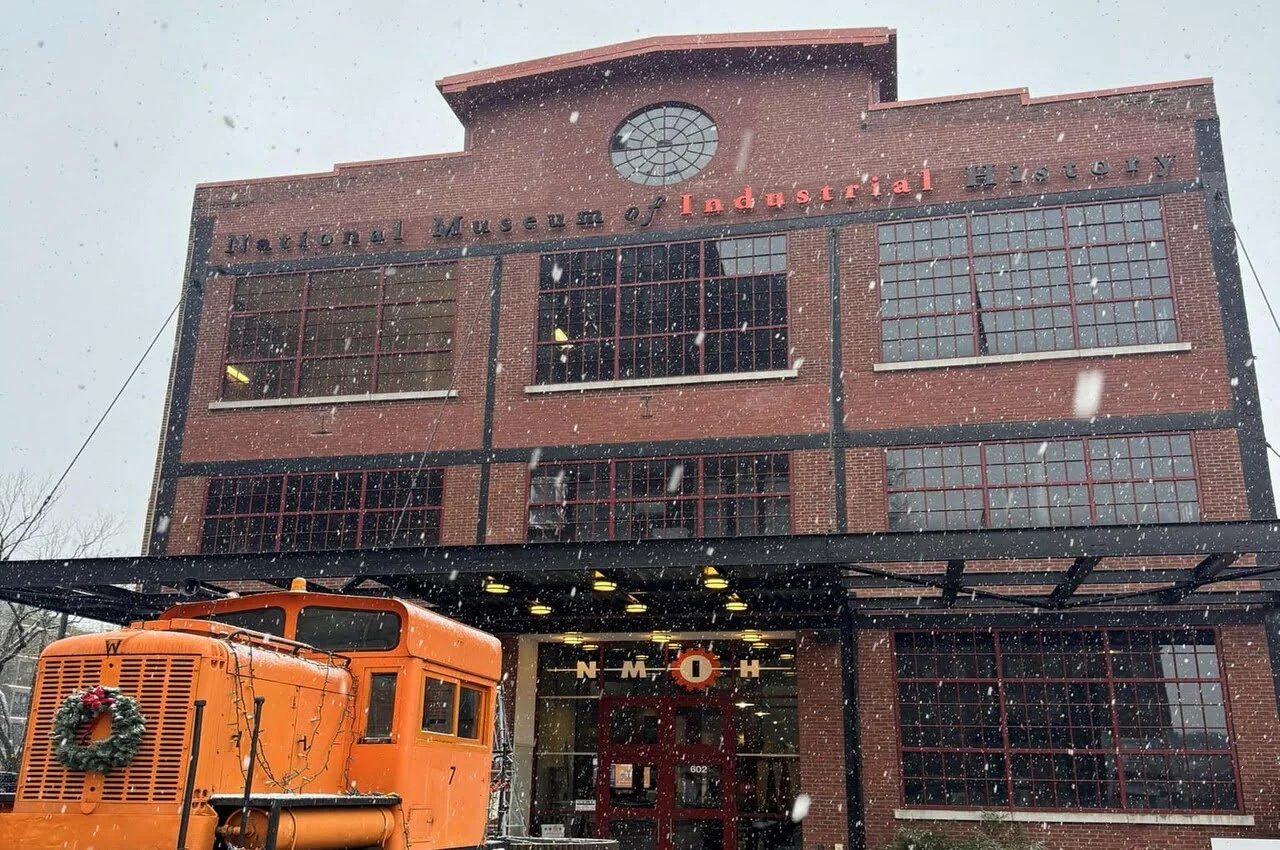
(108, 119)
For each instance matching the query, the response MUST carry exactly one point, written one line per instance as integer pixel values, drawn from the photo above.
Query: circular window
(663, 144)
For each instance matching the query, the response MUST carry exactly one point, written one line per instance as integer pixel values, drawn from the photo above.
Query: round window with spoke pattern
(663, 144)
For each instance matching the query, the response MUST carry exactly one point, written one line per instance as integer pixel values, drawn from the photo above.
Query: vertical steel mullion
(612, 495)
(284, 496)
(1115, 718)
(376, 366)
(362, 508)
(1004, 715)
(302, 334)
(975, 307)
(702, 306)
(617, 317)
(1071, 277)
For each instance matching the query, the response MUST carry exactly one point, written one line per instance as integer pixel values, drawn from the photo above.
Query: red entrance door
(665, 779)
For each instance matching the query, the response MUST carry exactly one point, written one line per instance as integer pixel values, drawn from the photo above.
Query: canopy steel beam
(1079, 570)
(951, 582)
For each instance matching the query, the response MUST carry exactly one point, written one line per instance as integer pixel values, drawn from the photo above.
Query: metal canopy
(791, 582)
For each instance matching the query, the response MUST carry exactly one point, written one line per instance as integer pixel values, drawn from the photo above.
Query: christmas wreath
(81, 708)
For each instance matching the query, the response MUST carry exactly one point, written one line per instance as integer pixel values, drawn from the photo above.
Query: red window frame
(1006, 751)
(975, 313)
(544, 340)
(1091, 481)
(699, 497)
(363, 513)
(303, 309)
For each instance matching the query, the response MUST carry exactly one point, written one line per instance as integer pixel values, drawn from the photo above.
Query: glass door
(666, 773)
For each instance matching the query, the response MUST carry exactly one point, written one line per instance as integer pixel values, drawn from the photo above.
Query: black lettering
(1131, 164)
(113, 647)
(1101, 168)
(351, 237)
(263, 246)
(302, 241)
(396, 235)
(240, 247)
(1069, 170)
(980, 176)
(285, 243)
(590, 218)
(631, 214)
(529, 223)
(480, 228)
(555, 220)
(657, 202)
(326, 239)
(1015, 174)
(376, 236)
(1041, 175)
(505, 225)
(1165, 161)
(453, 228)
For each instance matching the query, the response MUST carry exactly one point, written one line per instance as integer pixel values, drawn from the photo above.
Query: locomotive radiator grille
(162, 686)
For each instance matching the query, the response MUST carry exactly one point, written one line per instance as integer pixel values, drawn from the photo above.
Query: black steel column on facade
(855, 808)
(837, 384)
(490, 391)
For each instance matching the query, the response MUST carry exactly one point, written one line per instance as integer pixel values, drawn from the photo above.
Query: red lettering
(746, 201)
(774, 199)
(713, 206)
(802, 196)
(901, 187)
(875, 187)
(851, 192)
(926, 181)
(826, 194)
(686, 205)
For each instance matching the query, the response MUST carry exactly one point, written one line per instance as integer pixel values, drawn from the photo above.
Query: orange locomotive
(291, 720)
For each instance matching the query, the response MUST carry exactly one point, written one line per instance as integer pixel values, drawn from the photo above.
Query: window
(1048, 279)
(1133, 720)
(437, 706)
(348, 629)
(323, 511)
(732, 496)
(382, 707)
(470, 702)
(347, 332)
(268, 621)
(690, 308)
(1089, 481)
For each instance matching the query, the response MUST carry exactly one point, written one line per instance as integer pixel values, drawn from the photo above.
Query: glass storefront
(688, 746)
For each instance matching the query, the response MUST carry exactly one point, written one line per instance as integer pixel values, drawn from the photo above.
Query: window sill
(731, 377)
(1026, 816)
(331, 399)
(1072, 354)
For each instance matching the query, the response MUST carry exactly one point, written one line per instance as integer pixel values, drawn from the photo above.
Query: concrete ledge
(330, 399)
(1028, 816)
(1031, 357)
(584, 386)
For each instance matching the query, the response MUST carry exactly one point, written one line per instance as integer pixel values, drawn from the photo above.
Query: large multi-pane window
(323, 511)
(730, 496)
(656, 311)
(1085, 481)
(1132, 720)
(1047, 279)
(346, 332)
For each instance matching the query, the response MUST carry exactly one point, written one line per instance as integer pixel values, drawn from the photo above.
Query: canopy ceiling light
(634, 606)
(590, 647)
(492, 585)
(539, 609)
(751, 636)
(573, 638)
(660, 637)
(712, 580)
(734, 603)
(601, 583)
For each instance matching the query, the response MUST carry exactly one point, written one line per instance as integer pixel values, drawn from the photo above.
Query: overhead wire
(53, 491)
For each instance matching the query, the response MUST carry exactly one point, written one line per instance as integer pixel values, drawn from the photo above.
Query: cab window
(382, 707)
(348, 629)
(469, 702)
(438, 698)
(268, 621)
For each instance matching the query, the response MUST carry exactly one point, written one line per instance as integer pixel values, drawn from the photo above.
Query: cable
(1256, 279)
(1273, 450)
(44, 504)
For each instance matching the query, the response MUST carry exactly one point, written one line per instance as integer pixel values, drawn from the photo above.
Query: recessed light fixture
(492, 585)
(744, 704)
(660, 637)
(751, 636)
(759, 645)
(788, 656)
(601, 583)
(712, 580)
(635, 606)
(573, 638)
(734, 603)
(590, 647)
(539, 609)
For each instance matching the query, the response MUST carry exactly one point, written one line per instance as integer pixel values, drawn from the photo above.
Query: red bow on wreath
(96, 699)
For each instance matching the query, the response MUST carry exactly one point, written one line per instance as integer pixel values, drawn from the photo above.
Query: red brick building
(708, 337)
